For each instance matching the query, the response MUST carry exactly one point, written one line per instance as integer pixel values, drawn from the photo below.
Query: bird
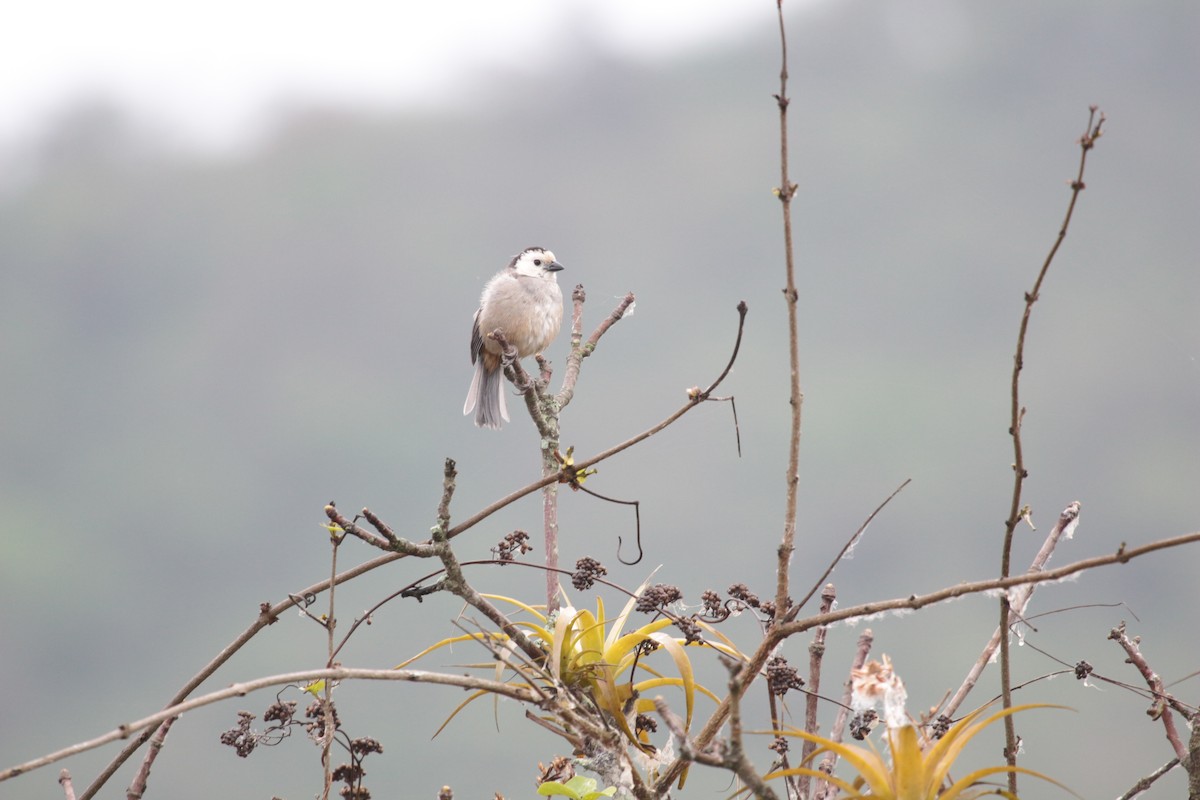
(524, 301)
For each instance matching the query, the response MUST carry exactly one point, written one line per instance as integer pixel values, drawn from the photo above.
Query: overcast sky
(208, 70)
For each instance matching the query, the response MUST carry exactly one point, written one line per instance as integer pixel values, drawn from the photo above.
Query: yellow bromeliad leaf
(911, 773)
(684, 665)
(474, 696)
(653, 683)
(534, 610)
(466, 637)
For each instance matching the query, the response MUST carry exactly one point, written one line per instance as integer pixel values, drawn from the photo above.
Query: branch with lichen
(1163, 701)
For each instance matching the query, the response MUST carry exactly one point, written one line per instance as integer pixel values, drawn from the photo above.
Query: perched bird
(524, 301)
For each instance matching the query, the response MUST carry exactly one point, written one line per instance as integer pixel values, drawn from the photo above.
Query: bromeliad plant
(915, 769)
(590, 653)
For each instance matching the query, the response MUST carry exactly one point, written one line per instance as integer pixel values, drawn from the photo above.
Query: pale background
(240, 245)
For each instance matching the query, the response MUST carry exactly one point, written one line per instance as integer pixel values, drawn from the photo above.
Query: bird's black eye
(537, 262)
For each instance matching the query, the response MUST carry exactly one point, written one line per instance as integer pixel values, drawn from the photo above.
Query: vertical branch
(824, 788)
(816, 653)
(1017, 411)
(550, 468)
(735, 756)
(550, 444)
(544, 410)
(551, 407)
(1193, 763)
(578, 353)
(327, 694)
(785, 192)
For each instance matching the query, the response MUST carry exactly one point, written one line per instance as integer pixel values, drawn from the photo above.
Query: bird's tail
(486, 397)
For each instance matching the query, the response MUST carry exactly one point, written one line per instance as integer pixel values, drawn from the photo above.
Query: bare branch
(1159, 708)
(865, 640)
(521, 693)
(1017, 414)
(138, 787)
(1068, 521)
(1145, 783)
(785, 192)
(816, 652)
(795, 611)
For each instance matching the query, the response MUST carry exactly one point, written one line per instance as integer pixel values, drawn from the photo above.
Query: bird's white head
(535, 262)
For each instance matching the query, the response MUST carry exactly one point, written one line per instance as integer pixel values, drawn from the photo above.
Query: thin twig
(327, 694)
(742, 310)
(795, 611)
(737, 430)
(1017, 413)
(785, 192)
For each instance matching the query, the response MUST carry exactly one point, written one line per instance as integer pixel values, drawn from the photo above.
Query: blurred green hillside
(197, 352)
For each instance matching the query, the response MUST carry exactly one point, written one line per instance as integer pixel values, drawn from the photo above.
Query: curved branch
(520, 693)
(694, 399)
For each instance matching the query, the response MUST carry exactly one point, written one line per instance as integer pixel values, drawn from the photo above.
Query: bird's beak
(553, 266)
